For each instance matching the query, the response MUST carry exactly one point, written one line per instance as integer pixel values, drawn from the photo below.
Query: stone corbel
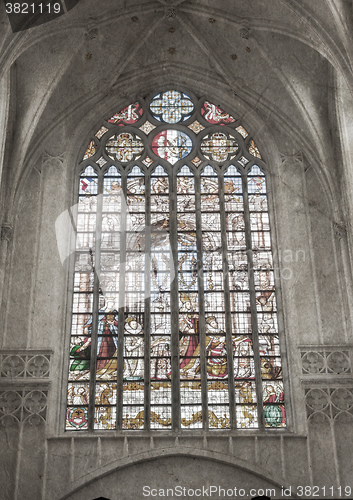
(49, 160)
(244, 32)
(6, 232)
(340, 230)
(296, 158)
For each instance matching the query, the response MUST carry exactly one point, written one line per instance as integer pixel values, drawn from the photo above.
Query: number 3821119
(31, 8)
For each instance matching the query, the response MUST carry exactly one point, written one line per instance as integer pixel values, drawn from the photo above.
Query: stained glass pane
(147, 127)
(171, 145)
(189, 330)
(107, 331)
(161, 268)
(125, 218)
(124, 147)
(242, 131)
(81, 325)
(127, 116)
(214, 302)
(246, 416)
(270, 361)
(134, 323)
(253, 150)
(134, 415)
(215, 115)
(90, 151)
(219, 147)
(196, 127)
(101, 132)
(171, 106)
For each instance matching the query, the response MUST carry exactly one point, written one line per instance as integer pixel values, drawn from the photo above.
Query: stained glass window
(174, 311)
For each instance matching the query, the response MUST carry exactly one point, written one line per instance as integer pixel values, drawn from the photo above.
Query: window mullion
(147, 322)
(95, 258)
(228, 320)
(202, 322)
(120, 354)
(174, 300)
(254, 326)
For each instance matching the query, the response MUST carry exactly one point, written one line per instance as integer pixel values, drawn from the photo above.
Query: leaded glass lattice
(174, 314)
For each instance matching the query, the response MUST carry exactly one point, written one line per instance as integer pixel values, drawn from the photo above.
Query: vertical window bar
(107, 334)
(202, 323)
(96, 296)
(174, 300)
(147, 323)
(160, 275)
(214, 307)
(134, 320)
(193, 403)
(78, 395)
(228, 320)
(120, 362)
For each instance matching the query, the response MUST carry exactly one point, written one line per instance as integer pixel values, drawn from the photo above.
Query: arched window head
(174, 322)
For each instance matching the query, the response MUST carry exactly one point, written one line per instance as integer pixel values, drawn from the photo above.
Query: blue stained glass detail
(172, 145)
(171, 106)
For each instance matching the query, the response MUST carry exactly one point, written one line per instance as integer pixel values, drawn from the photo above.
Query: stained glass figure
(171, 106)
(174, 293)
(219, 147)
(127, 116)
(215, 115)
(171, 145)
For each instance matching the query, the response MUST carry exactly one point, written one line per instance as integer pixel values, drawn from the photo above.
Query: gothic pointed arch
(174, 317)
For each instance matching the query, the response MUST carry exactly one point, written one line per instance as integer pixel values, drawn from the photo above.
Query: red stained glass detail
(215, 115)
(127, 116)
